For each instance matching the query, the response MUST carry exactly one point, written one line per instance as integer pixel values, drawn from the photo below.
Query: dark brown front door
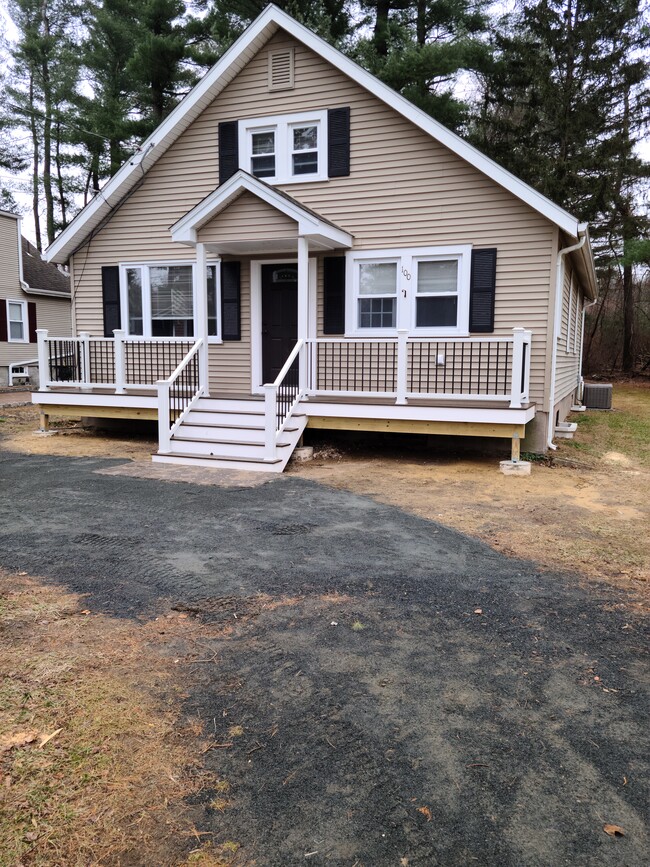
(279, 317)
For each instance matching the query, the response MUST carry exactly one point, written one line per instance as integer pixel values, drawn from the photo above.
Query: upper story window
(17, 321)
(160, 300)
(285, 148)
(425, 290)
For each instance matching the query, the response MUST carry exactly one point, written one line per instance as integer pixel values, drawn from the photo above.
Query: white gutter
(49, 292)
(559, 293)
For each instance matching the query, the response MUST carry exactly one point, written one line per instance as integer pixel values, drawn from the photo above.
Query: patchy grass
(110, 783)
(623, 431)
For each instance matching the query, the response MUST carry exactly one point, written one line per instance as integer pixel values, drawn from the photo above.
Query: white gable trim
(264, 26)
(309, 225)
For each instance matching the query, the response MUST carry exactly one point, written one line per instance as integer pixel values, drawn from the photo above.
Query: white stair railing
(178, 394)
(283, 395)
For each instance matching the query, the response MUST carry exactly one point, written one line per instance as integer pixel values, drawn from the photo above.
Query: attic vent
(281, 69)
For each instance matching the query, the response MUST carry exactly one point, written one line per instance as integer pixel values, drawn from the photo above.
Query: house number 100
(406, 273)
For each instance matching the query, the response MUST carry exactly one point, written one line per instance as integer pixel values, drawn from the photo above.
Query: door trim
(256, 311)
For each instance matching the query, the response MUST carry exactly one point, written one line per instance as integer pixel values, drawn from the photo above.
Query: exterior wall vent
(281, 69)
(597, 395)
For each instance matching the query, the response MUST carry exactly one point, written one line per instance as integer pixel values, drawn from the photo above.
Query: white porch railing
(177, 395)
(470, 368)
(283, 395)
(118, 362)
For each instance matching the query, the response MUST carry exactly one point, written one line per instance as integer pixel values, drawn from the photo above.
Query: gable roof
(311, 225)
(223, 72)
(40, 276)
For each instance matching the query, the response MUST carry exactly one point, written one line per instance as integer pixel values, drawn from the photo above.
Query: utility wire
(57, 120)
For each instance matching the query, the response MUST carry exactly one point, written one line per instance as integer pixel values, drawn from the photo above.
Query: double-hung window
(159, 299)
(377, 294)
(285, 148)
(17, 321)
(424, 290)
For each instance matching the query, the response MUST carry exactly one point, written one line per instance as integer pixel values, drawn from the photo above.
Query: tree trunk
(628, 319)
(47, 131)
(380, 36)
(59, 178)
(36, 161)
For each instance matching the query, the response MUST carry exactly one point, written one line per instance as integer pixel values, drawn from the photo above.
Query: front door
(279, 317)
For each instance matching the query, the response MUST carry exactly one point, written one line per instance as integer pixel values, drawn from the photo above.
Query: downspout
(559, 293)
(585, 307)
(21, 279)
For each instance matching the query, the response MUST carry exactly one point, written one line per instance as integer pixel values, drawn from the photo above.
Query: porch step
(225, 462)
(243, 404)
(215, 431)
(220, 447)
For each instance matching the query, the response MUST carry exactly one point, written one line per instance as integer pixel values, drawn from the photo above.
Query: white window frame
(282, 125)
(146, 295)
(407, 262)
(24, 321)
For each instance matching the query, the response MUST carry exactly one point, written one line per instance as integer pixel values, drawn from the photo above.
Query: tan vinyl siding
(404, 189)
(248, 218)
(568, 361)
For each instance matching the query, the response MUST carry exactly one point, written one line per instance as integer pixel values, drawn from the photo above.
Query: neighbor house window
(424, 290)
(159, 300)
(17, 321)
(285, 148)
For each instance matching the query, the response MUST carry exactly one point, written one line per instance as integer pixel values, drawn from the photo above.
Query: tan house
(33, 293)
(298, 246)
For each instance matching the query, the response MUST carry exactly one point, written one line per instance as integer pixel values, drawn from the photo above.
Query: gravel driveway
(413, 698)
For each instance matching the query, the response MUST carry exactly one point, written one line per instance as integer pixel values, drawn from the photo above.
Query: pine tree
(421, 48)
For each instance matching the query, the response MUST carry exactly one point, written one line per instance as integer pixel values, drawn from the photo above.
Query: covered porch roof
(279, 225)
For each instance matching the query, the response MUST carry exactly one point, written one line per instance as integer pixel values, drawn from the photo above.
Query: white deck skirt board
(80, 398)
(479, 415)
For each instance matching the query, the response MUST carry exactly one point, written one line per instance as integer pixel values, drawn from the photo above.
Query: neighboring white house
(33, 294)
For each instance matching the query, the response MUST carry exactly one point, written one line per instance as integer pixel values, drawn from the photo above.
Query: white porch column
(201, 317)
(303, 306)
(43, 363)
(120, 359)
(516, 389)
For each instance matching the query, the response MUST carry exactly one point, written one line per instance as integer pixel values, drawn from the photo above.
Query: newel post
(164, 420)
(84, 373)
(402, 365)
(120, 361)
(43, 364)
(517, 367)
(270, 410)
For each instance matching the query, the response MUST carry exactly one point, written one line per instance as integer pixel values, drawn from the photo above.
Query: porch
(468, 386)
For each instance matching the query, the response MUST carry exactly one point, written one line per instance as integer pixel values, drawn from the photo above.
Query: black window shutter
(334, 295)
(3, 321)
(111, 299)
(482, 290)
(31, 318)
(338, 142)
(228, 149)
(230, 301)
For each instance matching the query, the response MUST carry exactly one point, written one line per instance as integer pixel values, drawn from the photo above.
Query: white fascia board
(481, 415)
(224, 71)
